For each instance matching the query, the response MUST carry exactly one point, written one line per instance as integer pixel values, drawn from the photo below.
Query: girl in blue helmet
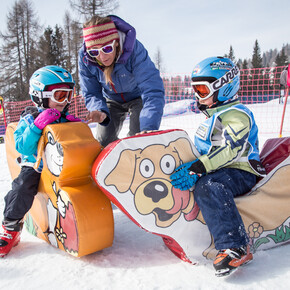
(228, 165)
(51, 89)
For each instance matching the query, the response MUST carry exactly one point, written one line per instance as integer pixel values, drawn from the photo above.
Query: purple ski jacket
(134, 75)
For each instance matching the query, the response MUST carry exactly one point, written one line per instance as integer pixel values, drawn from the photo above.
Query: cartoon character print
(66, 233)
(61, 216)
(54, 155)
(148, 180)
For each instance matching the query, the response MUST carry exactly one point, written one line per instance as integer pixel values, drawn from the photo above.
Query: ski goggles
(109, 48)
(203, 89)
(59, 95)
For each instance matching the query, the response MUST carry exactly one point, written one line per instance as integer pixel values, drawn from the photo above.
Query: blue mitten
(183, 177)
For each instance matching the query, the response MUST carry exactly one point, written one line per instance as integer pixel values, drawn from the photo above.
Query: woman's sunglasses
(109, 48)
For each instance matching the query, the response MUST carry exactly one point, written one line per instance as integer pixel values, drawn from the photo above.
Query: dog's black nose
(156, 190)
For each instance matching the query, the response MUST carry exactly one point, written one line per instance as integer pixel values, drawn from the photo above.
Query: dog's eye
(50, 138)
(167, 164)
(146, 168)
(59, 149)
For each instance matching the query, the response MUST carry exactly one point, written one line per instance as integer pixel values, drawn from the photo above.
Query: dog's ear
(185, 150)
(123, 173)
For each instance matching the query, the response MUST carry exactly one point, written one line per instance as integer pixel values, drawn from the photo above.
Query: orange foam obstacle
(134, 173)
(69, 211)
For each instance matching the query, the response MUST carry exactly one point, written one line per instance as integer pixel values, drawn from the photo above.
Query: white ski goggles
(203, 90)
(59, 95)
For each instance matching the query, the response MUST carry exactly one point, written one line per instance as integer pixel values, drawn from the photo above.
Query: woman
(117, 78)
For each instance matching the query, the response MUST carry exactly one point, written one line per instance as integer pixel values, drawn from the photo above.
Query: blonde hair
(96, 20)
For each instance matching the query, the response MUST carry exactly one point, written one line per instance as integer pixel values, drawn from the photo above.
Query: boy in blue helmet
(229, 162)
(51, 89)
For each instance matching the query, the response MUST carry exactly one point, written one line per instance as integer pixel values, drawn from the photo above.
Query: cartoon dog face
(146, 174)
(53, 155)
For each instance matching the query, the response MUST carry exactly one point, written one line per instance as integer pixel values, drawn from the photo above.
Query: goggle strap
(45, 94)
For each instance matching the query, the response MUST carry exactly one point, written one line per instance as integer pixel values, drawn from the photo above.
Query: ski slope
(137, 259)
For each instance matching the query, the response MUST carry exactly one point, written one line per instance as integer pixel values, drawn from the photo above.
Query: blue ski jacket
(27, 135)
(134, 75)
(229, 138)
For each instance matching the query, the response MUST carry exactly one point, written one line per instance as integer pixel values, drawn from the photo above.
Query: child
(51, 89)
(229, 163)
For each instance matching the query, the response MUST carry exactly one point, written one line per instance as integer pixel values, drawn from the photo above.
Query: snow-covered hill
(137, 260)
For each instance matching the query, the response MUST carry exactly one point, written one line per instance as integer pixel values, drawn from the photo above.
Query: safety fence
(260, 90)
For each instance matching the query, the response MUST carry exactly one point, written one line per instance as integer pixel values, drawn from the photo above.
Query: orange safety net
(259, 89)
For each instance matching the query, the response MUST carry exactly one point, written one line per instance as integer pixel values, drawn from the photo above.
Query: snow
(137, 259)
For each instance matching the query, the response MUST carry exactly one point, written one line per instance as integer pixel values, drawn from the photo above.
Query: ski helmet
(44, 77)
(217, 76)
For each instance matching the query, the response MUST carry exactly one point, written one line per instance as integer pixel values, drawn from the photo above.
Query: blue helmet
(44, 77)
(220, 78)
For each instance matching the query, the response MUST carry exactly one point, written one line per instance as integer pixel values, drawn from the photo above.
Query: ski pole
(284, 110)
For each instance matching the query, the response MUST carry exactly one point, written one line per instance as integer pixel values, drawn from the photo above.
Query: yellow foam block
(69, 211)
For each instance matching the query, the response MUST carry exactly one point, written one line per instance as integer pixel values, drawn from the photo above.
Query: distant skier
(283, 84)
(229, 163)
(51, 89)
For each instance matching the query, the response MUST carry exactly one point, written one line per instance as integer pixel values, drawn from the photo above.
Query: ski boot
(227, 261)
(11, 235)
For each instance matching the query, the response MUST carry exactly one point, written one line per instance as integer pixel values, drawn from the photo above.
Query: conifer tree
(231, 54)
(281, 58)
(51, 48)
(245, 64)
(256, 58)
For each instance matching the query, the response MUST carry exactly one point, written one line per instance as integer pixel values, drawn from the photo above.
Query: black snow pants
(19, 199)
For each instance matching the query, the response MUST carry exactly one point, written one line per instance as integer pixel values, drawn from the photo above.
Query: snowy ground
(137, 259)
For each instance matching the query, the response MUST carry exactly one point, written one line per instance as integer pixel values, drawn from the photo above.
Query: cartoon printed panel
(134, 173)
(70, 211)
(266, 209)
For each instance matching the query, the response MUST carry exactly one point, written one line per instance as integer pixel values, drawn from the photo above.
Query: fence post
(3, 111)
(76, 106)
(285, 102)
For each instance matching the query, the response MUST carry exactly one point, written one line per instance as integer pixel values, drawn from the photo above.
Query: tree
(51, 48)
(72, 44)
(245, 64)
(158, 60)
(45, 47)
(68, 40)
(278, 60)
(18, 51)
(281, 58)
(231, 54)
(256, 58)
(88, 8)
